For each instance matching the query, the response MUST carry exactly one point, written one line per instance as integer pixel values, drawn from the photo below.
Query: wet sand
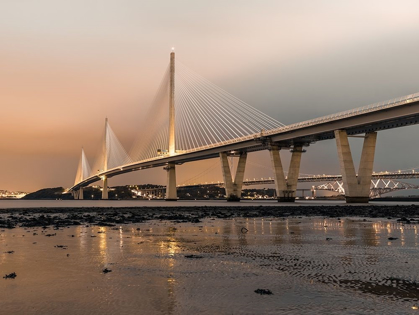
(210, 261)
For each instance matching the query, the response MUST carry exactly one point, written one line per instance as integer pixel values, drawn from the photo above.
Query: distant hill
(48, 194)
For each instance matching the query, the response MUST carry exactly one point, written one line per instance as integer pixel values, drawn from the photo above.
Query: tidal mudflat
(180, 262)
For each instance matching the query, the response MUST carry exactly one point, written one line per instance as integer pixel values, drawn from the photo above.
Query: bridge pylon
(286, 188)
(171, 193)
(233, 188)
(105, 161)
(357, 188)
(83, 172)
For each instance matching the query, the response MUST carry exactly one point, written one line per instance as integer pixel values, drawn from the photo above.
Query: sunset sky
(66, 65)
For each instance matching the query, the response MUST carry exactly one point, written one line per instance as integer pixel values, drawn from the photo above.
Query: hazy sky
(66, 65)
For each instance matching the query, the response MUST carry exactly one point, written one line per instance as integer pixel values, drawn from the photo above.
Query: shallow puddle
(311, 265)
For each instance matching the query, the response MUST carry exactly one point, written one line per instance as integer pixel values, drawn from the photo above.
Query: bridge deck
(392, 114)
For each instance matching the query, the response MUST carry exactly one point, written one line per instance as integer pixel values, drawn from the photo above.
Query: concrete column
(286, 188)
(279, 177)
(367, 163)
(233, 188)
(171, 193)
(80, 197)
(293, 172)
(357, 189)
(105, 188)
(225, 168)
(238, 180)
(172, 149)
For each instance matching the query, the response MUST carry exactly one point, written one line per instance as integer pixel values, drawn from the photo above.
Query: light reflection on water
(312, 265)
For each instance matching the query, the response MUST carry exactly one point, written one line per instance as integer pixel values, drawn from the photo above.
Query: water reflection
(310, 259)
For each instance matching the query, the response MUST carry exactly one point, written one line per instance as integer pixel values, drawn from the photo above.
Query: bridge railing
(350, 113)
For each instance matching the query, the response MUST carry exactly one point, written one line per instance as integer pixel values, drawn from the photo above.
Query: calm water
(356, 271)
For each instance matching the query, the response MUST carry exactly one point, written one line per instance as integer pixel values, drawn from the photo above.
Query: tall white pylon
(171, 193)
(112, 154)
(105, 160)
(172, 149)
(83, 172)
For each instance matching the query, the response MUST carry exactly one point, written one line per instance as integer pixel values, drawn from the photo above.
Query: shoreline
(111, 216)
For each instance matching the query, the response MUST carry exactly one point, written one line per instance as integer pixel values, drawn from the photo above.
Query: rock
(263, 292)
(404, 220)
(194, 256)
(10, 276)
(106, 270)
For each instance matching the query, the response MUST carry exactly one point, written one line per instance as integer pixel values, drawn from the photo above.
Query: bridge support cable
(206, 115)
(233, 188)
(200, 115)
(83, 172)
(112, 155)
(153, 133)
(286, 187)
(357, 188)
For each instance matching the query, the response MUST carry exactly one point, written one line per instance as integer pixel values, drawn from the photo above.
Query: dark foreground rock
(10, 276)
(63, 217)
(263, 291)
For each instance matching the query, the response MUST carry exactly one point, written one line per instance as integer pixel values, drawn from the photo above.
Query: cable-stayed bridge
(192, 119)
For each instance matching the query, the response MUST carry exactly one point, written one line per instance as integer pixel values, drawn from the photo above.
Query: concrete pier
(286, 187)
(233, 188)
(171, 192)
(105, 188)
(80, 194)
(357, 188)
(279, 177)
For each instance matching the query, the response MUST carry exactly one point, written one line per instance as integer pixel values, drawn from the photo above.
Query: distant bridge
(381, 183)
(311, 179)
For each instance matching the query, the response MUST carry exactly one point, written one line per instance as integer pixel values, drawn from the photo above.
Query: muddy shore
(62, 217)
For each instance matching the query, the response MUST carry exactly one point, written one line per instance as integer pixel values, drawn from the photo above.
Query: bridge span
(231, 135)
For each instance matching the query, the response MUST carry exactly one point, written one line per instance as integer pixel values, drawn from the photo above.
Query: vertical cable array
(205, 115)
(208, 115)
(153, 135)
(112, 153)
(83, 170)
